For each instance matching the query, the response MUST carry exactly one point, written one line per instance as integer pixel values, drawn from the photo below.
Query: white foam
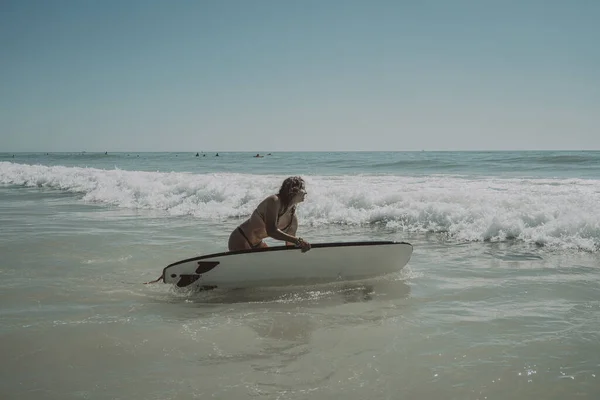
(553, 212)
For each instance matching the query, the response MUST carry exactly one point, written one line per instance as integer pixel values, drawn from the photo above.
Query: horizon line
(265, 152)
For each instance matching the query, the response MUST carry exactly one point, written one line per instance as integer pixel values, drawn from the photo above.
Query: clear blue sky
(149, 75)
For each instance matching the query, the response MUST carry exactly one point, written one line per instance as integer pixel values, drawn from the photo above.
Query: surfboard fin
(186, 280)
(205, 266)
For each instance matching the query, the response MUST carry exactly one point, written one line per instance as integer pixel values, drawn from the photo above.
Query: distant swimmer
(203, 155)
(269, 154)
(106, 153)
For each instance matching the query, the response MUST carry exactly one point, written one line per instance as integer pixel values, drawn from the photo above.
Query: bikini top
(261, 215)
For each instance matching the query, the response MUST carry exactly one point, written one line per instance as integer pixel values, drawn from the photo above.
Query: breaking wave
(561, 213)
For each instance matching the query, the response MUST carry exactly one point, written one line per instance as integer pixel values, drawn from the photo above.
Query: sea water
(501, 298)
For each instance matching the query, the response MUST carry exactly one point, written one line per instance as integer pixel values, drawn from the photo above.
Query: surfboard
(287, 265)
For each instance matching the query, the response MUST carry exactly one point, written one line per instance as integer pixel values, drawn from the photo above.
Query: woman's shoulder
(270, 205)
(272, 200)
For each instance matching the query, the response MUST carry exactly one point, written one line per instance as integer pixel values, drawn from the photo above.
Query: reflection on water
(292, 327)
(318, 295)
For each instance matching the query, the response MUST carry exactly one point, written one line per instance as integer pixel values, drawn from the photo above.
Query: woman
(274, 217)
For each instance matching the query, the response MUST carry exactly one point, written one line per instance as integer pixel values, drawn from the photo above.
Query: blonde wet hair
(289, 188)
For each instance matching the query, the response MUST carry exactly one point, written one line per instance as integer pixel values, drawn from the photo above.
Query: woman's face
(300, 195)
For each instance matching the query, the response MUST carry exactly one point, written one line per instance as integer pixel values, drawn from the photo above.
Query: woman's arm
(271, 216)
(292, 229)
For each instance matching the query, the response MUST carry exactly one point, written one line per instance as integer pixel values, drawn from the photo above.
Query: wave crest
(560, 213)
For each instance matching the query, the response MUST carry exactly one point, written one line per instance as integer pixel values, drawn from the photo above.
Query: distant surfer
(274, 217)
(257, 156)
(197, 155)
(217, 155)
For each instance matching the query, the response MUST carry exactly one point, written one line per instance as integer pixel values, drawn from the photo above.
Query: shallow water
(470, 317)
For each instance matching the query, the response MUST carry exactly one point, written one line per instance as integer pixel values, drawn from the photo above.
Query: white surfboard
(287, 265)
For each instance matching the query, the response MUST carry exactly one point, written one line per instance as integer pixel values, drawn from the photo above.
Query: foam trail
(559, 213)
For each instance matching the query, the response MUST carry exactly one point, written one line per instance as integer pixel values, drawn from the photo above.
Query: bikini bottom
(252, 246)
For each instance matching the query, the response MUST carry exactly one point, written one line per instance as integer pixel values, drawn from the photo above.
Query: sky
(309, 75)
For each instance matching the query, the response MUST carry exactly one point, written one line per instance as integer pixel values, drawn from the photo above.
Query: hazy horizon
(270, 152)
(269, 76)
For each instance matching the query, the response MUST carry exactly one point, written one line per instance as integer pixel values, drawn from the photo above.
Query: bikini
(252, 246)
(257, 245)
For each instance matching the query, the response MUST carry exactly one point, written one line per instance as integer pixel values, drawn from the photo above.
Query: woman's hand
(303, 244)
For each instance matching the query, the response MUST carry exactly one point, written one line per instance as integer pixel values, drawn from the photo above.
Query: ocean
(500, 300)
